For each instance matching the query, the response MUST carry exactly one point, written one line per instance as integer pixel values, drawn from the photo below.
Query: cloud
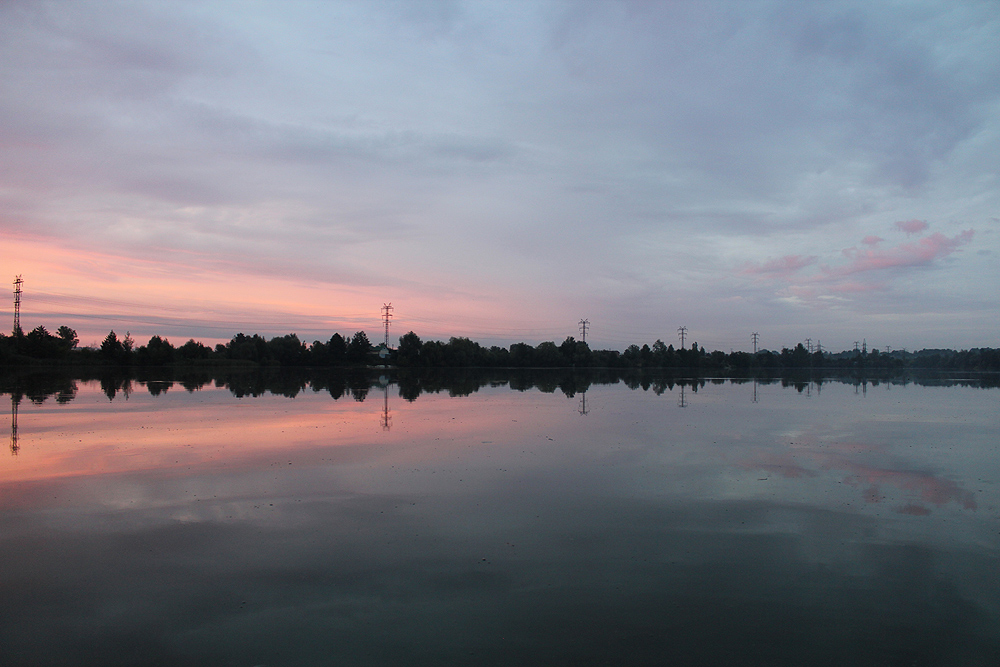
(783, 266)
(871, 269)
(854, 287)
(929, 487)
(499, 145)
(911, 227)
(811, 457)
(920, 253)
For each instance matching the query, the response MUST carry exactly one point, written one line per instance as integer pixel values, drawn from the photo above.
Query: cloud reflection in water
(499, 528)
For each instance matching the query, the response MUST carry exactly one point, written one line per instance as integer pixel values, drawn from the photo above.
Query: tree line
(458, 352)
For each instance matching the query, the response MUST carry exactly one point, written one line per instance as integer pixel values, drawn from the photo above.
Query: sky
(502, 171)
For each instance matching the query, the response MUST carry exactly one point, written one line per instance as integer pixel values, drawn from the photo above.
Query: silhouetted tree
(499, 356)
(68, 337)
(38, 343)
(248, 348)
(547, 355)
(318, 354)
(287, 350)
(408, 352)
(795, 358)
(568, 350)
(359, 348)
(337, 350)
(193, 350)
(112, 350)
(522, 355)
(461, 351)
(157, 352)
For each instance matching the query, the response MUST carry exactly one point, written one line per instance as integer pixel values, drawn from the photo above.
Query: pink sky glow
(196, 171)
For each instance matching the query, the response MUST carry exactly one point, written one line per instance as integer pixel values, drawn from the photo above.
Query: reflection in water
(386, 418)
(14, 402)
(112, 385)
(412, 383)
(483, 521)
(808, 465)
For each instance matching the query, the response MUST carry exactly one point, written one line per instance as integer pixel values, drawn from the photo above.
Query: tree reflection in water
(528, 517)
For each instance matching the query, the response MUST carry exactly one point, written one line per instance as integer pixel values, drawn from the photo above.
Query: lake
(522, 519)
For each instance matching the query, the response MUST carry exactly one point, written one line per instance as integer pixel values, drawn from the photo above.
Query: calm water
(719, 524)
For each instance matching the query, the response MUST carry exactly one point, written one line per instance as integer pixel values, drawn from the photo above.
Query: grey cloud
(748, 105)
(911, 100)
(545, 137)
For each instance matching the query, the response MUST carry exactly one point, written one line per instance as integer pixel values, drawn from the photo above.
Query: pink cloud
(931, 489)
(782, 266)
(912, 226)
(922, 488)
(865, 271)
(918, 253)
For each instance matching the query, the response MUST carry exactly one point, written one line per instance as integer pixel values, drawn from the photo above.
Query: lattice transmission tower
(386, 316)
(17, 304)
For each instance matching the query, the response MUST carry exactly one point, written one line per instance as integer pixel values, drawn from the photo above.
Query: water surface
(143, 523)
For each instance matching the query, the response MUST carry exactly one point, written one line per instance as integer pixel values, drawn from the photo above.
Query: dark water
(713, 524)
